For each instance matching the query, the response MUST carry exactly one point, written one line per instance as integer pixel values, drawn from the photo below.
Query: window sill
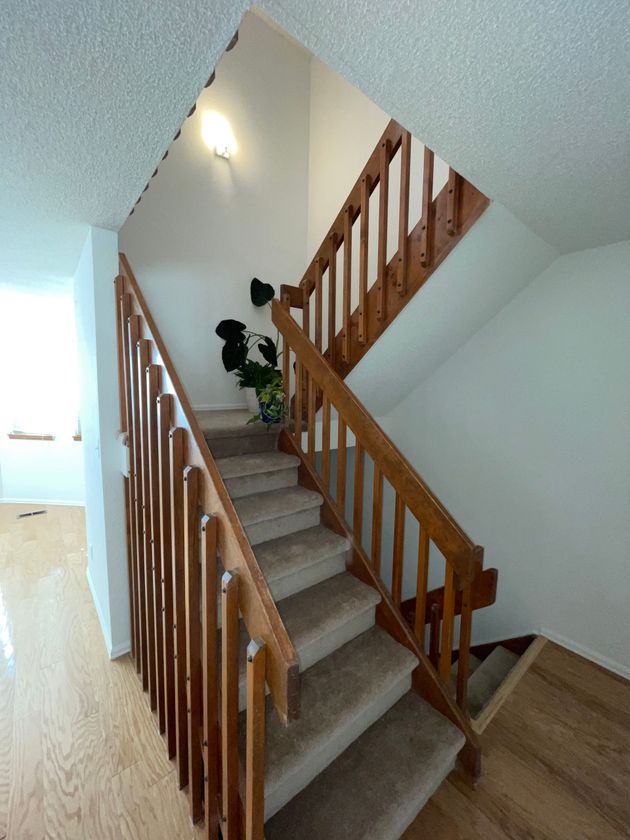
(29, 436)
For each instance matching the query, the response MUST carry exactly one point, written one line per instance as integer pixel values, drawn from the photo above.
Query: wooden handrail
(257, 606)
(459, 550)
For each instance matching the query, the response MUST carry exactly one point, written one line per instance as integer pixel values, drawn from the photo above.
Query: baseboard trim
(587, 653)
(220, 407)
(62, 502)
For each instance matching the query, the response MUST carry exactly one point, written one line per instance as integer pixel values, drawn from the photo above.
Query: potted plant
(261, 381)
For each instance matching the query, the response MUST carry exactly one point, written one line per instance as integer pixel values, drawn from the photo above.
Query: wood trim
(425, 679)
(483, 594)
(442, 528)
(508, 685)
(256, 603)
(30, 436)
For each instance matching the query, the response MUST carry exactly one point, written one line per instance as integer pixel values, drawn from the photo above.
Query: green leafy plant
(272, 403)
(240, 342)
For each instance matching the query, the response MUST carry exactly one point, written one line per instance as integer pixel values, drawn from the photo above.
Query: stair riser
(315, 762)
(246, 485)
(319, 648)
(242, 444)
(292, 584)
(280, 526)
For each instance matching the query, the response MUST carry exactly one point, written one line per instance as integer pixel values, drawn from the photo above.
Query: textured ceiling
(91, 93)
(529, 99)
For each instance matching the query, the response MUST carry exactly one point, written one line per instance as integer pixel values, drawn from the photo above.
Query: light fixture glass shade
(217, 134)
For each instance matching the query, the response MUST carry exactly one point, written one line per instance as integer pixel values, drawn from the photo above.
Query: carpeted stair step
(278, 512)
(228, 433)
(342, 695)
(258, 472)
(376, 787)
(296, 561)
(321, 619)
(488, 677)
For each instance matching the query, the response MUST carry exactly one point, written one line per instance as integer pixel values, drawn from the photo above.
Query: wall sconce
(217, 134)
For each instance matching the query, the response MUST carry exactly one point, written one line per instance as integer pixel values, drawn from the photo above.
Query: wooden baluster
(428, 226)
(463, 662)
(255, 744)
(130, 564)
(177, 441)
(448, 619)
(306, 312)
(383, 207)
(318, 303)
(229, 705)
(452, 202)
(359, 468)
(124, 313)
(310, 422)
(398, 554)
(144, 352)
(121, 321)
(403, 215)
(377, 518)
(363, 259)
(165, 415)
(297, 401)
(193, 639)
(133, 333)
(434, 635)
(347, 280)
(332, 300)
(286, 369)
(210, 675)
(326, 441)
(153, 389)
(341, 466)
(421, 584)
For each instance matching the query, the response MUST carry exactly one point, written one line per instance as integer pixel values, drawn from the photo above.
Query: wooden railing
(179, 520)
(310, 380)
(391, 270)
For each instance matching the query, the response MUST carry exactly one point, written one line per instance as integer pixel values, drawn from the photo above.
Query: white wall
(42, 471)
(523, 434)
(100, 423)
(206, 226)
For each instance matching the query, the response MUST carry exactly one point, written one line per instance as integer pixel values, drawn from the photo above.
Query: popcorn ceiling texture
(529, 100)
(91, 94)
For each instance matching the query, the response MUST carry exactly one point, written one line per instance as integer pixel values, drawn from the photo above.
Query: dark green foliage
(231, 329)
(261, 293)
(268, 351)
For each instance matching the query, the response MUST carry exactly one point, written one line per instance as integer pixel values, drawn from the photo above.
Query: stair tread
(334, 693)
(319, 611)
(260, 507)
(237, 466)
(375, 788)
(288, 555)
(230, 422)
(488, 677)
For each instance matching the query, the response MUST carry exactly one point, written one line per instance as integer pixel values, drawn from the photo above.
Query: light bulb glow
(217, 134)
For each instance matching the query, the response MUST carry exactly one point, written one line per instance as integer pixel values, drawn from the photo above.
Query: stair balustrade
(179, 520)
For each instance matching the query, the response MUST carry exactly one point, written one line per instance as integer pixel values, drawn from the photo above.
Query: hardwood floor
(80, 755)
(556, 762)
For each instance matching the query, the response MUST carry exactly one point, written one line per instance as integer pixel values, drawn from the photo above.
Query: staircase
(358, 707)
(300, 694)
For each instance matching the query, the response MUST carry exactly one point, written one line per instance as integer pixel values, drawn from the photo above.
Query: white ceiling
(530, 100)
(91, 93)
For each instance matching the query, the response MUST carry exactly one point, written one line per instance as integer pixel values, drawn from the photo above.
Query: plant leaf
(231, 330)
(261, 293)
(234, 354)
(268, 351)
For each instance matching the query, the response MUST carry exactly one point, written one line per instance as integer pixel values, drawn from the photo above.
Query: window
(39, 379)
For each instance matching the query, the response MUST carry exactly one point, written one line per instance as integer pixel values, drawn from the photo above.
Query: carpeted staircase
(367, 752)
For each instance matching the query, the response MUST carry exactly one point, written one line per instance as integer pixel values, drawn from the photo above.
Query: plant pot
(252, 400)
(267, 418)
